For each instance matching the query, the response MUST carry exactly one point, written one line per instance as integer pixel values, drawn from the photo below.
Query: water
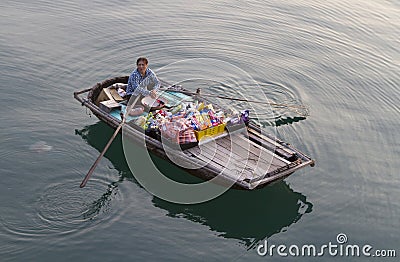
(338, 58)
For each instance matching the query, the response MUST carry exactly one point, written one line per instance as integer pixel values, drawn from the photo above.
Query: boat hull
(271, 159)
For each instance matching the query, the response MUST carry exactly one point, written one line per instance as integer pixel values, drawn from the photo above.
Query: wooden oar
(235, 99)
(260, 102)
(128, 108)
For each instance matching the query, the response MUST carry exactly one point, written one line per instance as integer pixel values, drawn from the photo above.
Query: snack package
(206, 119)
(195, 123)
(141, 121)
(210, 107)
(175, 131)
(245, 115)
(200, 106)
(176, 109)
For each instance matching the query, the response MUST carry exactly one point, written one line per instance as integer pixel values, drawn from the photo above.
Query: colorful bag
(178, 132)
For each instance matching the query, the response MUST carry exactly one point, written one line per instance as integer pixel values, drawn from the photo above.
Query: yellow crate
(211, 131)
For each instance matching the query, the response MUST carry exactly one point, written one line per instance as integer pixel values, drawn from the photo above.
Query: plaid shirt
(137, 86)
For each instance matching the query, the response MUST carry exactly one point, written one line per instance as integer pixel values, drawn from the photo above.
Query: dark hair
(144, 59)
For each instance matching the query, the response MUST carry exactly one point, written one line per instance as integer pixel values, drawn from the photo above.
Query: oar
(236, 99)
(260, 102)
(128, 108)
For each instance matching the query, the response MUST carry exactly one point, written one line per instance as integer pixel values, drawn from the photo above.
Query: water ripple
(339, 59)
(62, 209)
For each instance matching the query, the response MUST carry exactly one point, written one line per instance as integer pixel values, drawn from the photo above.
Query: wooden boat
(256, 158)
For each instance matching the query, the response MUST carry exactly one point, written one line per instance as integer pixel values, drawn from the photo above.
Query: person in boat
(140, 74)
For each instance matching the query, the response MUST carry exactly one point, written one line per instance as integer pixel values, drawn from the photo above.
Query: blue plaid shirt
(135, 79)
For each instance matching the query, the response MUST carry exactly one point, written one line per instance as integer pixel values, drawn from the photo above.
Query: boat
(255, 160)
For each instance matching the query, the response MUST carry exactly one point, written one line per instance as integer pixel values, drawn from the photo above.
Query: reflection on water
(97, 135)
(104, 202)
(289, 120)
(248, 216)
(40, 147)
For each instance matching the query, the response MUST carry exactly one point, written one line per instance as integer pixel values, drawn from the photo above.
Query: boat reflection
(287, 120)
(248, 216)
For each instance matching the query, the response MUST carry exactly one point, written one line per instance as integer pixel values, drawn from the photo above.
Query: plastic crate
(212, 131)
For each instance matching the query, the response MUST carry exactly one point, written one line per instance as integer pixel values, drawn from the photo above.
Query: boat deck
(248, 157)
(236, 154)
(241, 159)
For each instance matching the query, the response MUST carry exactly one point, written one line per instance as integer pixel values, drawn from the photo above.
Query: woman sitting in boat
(141, 79)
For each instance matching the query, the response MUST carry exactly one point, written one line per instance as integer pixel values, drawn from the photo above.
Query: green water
(338, 58)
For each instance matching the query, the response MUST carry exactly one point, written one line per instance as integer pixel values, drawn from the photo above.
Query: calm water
(338, 58)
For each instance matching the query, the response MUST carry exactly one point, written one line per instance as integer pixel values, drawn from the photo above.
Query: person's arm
(150, 80)
(141, 90)
(157, 82)
(133, 83)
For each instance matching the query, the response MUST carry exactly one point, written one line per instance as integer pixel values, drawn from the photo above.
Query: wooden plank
(271, 147)
(228, 170)
(271, 153)
(231, 168)
(204, 156)
(243, 141)
(243, 153)
(212, 155)
(269, 140)
(253, 151)
(257, 163)
(264, 160)
(225, 151)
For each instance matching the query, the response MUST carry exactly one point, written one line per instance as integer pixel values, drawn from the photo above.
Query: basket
(212, 131)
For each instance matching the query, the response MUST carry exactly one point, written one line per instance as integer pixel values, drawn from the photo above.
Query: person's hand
(153, 94)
